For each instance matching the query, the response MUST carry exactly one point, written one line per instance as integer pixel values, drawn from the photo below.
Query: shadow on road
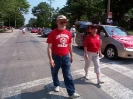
(39, 92)
(83, 81)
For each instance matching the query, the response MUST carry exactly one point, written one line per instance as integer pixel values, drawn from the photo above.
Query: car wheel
(111, 52)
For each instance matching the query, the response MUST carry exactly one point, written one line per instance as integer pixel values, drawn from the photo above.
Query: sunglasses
(63, 23)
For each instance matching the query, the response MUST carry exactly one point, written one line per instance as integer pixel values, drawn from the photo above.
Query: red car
(34, 30)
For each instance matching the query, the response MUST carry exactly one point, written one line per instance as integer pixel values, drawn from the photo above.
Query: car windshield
(116, 31)
(83, 26)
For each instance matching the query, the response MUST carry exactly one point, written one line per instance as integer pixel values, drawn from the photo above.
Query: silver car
(116, 42)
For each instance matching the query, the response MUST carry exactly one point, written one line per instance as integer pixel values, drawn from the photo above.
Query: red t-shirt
(92, 43)
(60, 40)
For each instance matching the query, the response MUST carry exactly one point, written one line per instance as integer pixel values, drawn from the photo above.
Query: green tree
(42, 12)
(82, 10)
(32, 22)
(13, 9)
(55, 13)
(130, 13)
(19, 20)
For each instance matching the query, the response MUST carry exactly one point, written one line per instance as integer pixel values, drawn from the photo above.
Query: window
(100, 29)
(116, 31)
(82, 28)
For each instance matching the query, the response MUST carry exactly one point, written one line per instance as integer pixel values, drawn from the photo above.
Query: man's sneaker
(87, 77)
(99, 82)
(75, 95)
(57, 89)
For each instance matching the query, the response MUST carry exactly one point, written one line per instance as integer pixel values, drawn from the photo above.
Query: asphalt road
(25, 72)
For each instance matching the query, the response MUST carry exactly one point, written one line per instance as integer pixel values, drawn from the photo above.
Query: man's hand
(71, 59)
(85, 53)
(52, 64)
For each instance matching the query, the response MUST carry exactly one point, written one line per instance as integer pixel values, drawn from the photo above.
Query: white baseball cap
(61, 17)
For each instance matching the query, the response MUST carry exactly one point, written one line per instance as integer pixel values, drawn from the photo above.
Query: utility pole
(9, 21)
(108, 6)
(108, 10)
(50, 9)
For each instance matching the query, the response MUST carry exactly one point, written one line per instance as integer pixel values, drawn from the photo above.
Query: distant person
(99, 23)
(43, 29)
(12, 29)
(61, 56)
(92, 51)
(23, 30)
(73, 31)
(110, 22)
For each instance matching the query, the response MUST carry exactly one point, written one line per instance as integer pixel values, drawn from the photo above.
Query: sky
(55, 4)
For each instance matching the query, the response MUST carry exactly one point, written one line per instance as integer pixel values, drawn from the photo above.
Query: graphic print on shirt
(63, 39)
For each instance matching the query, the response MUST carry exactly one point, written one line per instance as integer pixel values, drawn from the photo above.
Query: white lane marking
(113, 88)
(16, 90)
(62, 93)
(121, 69)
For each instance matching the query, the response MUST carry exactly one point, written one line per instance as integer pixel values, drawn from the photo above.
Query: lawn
(131, 32)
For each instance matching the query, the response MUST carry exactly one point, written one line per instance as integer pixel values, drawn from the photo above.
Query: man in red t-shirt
(92, 50)
(59, 47)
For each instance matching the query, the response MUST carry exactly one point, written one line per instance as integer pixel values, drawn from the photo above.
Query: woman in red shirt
(92, 50)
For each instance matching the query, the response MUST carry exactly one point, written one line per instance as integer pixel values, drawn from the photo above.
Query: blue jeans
(64, 63)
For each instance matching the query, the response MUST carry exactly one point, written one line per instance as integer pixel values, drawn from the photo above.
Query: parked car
(34, 30)
(116, 41)
(46, 32)
(4, 28)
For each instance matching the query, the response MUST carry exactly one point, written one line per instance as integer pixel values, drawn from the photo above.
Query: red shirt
(92, 43)
(60, 40)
